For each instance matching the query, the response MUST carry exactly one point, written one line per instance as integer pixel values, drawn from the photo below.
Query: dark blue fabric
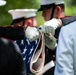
(27, 49)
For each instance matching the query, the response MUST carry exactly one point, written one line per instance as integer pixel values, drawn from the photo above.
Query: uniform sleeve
(68, 20)
(64, 54)
(12, 33)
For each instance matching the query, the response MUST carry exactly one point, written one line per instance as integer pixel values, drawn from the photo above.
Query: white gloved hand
(50, 26)
(50, 41)
(32, 33)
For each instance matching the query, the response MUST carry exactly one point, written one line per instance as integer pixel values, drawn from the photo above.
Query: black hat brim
(44, 7)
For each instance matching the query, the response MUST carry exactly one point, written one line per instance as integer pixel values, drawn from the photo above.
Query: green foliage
(71, 2)
(70, 7)
(5, 18)
(20, 4)
(70, 11)
(40, 19)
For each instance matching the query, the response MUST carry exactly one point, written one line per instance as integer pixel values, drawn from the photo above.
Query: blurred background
(6, 19)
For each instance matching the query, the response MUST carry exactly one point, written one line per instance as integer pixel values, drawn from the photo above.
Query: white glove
(50, 26)
(32, 33)
(50, 41)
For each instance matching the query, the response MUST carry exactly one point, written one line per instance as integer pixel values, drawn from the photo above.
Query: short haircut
(62, 6)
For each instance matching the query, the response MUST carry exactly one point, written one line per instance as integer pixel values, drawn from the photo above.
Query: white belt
(48, 66)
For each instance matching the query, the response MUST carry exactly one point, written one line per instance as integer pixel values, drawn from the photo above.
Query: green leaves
(5, 18)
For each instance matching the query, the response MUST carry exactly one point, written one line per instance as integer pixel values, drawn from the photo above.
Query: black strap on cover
(53, 9)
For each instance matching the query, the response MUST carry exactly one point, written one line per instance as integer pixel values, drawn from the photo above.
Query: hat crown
(2, 2)
(19, 13)
(46, 2)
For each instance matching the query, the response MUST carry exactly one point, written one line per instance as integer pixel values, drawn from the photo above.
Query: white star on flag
(22, 41)
(28, 41)
(25, 49)
(31, 50)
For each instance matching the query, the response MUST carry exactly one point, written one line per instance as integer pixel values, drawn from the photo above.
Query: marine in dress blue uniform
(28, 48)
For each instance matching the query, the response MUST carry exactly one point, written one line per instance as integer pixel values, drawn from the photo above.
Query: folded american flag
(27, 49)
